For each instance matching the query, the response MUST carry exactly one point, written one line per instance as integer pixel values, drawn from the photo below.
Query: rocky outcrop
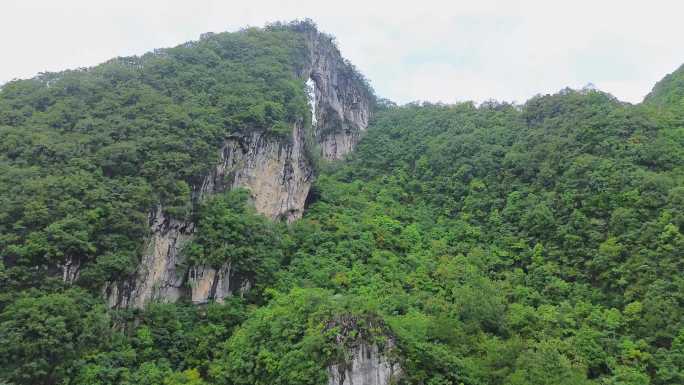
(207, 283)
(71, 269)
(157, 277)
(343, 101)
(278, 176)
(367, 365)
(162, 276)
(275, 169)
(366, 360)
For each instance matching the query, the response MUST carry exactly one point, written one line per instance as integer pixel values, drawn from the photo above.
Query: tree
(41, 336)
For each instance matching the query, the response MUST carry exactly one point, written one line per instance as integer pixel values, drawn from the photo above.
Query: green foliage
(85, 155)
(281, 343)
(166, 344)
(293, 339)
(491, 245)
(507, 245)
(545, 365)
(41, 336)
(231, 232)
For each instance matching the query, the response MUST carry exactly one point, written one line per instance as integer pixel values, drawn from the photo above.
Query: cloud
(429, 50)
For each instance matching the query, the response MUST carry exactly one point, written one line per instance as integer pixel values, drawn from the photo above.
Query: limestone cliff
(156, 277)
(276, 170)
(367, 360)
(342, 99)
(366, 365)
(278, 176)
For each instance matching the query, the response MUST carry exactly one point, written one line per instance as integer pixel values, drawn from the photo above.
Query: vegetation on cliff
(86, 154)
(497, 244)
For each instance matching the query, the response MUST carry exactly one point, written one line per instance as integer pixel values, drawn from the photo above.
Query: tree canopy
(496, 244)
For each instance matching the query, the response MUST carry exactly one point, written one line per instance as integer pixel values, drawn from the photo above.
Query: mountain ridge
(178, 218)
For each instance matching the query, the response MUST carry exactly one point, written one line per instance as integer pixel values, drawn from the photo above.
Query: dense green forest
(86, 153)
(496, 244)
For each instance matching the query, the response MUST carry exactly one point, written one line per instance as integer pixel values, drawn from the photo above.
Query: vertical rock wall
(156, 277)
(278, 176)
(367, 366)
(276, 171)
(343, 102)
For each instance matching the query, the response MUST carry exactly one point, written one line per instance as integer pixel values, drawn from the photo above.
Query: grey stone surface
(368, 365)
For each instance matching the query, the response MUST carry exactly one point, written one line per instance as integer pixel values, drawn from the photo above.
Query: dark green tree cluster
(231, 232)
(534, 244)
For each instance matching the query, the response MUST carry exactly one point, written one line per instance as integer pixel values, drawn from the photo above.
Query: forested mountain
(150, 228)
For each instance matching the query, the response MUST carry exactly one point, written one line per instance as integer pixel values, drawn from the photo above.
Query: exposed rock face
(335, 146)
(71, 269)
(207, 283)
(366, 360)
(278, 176)
(366, 366)
(342, 101)
(162, 276)
(275, 170)
(156, 278)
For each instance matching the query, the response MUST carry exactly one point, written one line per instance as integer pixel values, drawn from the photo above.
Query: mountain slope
(669, 91)
(456, 244)
(95, 160)
(498, 241)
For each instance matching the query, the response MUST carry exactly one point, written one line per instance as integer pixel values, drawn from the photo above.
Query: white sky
(410, 50)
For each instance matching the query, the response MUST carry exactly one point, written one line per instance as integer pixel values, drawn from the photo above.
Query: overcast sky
(410, 50)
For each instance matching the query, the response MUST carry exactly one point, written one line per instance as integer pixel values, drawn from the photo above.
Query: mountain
(242, 209)
(667, 97)
(669, 91)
